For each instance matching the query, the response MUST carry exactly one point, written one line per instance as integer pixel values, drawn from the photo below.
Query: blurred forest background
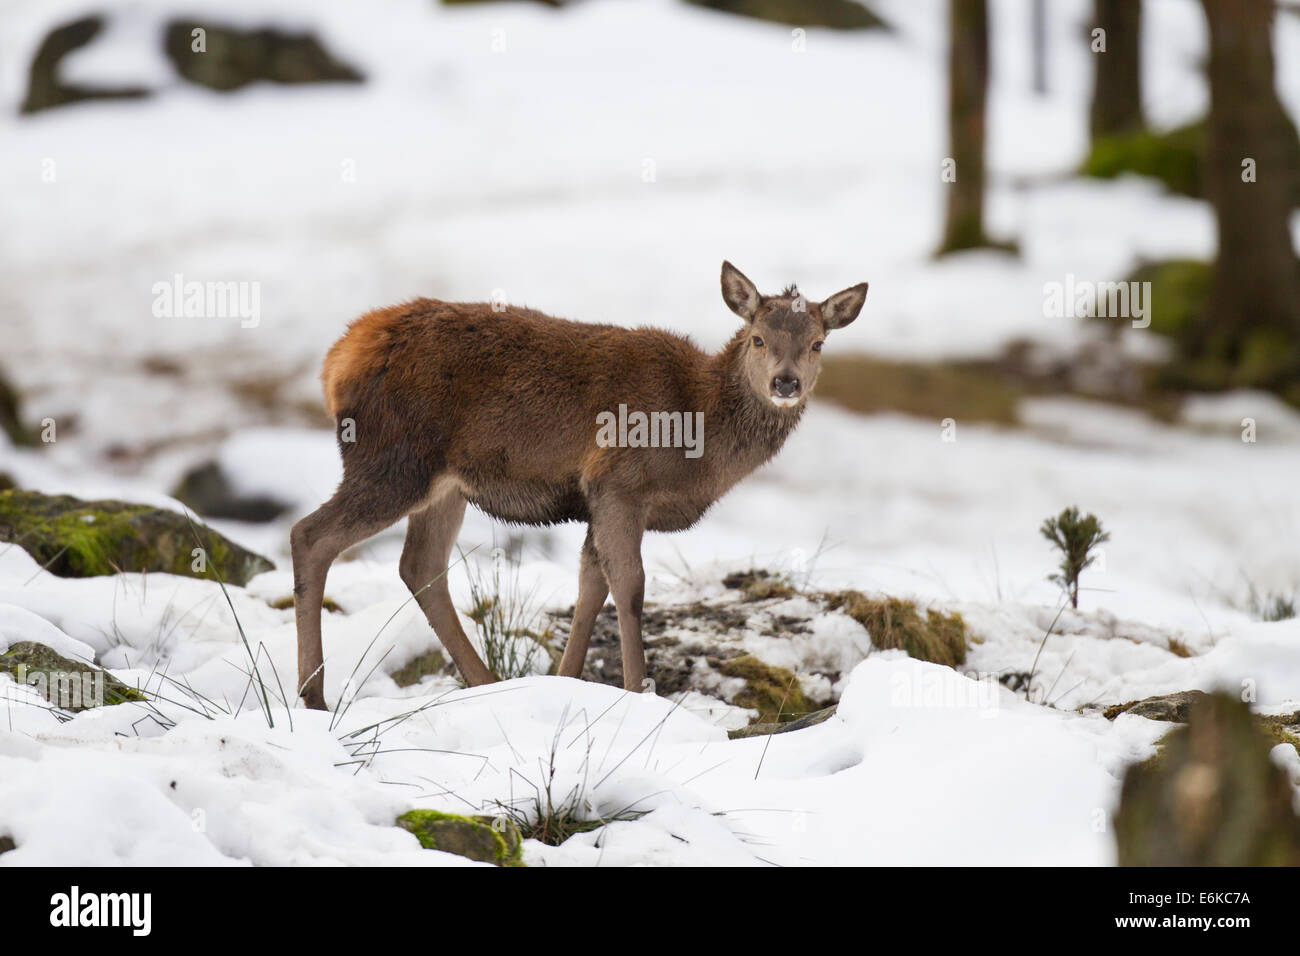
(1230, 320)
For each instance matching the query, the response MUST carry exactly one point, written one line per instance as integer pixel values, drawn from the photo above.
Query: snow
(456, 172)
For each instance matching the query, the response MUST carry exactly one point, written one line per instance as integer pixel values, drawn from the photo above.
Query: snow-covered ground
(456, 171)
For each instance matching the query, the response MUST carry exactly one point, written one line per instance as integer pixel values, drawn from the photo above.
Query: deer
(439, 405)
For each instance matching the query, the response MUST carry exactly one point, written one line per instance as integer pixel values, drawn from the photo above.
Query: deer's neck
(746, 429)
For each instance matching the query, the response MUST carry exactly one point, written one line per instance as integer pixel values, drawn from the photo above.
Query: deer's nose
(785, 387)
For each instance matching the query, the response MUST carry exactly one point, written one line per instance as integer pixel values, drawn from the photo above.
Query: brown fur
(453, 403)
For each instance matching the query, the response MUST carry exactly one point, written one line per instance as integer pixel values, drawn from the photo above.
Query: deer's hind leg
(352, 515)
(430, 536)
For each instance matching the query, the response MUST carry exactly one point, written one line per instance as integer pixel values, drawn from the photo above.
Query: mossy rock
(835, 14)
(785, 727)
(482, 838)
(1213, 797)
(772, 691)
(759, 585)
(894, 623)
(73, 538)
(65, 683)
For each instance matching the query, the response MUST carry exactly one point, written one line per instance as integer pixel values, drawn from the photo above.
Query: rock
(1212, 797)
(234, 58)
(72, 538)
(482, 838)
(44, 87)
(836, 14)
(799, 723)
(1172, 707)
(7, 843)
(65, 683)
(208, 491)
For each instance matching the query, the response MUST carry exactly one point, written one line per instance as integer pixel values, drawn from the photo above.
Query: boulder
(72, 538)
(65, 683)
(1171, 707)
(486, 839)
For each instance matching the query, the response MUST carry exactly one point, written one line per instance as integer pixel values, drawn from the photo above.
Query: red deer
(439, 404)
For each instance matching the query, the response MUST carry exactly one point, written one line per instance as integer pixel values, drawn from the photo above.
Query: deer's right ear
(738, 292)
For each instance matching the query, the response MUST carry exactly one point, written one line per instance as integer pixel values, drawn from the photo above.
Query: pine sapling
(1075, 537)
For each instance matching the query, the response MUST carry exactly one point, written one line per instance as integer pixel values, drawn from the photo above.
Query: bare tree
(1253, 317)
(968, 80)
(1117, 86)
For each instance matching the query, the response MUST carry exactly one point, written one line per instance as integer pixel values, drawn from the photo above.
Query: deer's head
(782, 356)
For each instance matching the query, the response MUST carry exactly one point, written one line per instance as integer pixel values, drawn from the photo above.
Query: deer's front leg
(617, 531)
(592, 591)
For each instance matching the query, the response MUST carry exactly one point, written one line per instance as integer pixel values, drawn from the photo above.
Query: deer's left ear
(843, 307)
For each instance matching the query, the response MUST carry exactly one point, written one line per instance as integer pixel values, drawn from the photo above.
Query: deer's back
(507, 402)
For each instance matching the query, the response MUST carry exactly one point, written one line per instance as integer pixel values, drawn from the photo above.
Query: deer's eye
(817, 346)
(758, 342)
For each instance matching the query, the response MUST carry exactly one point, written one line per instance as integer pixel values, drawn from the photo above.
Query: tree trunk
(968, 79)
(1253, 316)
(1038, 39)
(1117, 86)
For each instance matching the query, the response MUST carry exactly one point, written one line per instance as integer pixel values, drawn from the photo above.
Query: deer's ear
(843, 307)
(738, 292)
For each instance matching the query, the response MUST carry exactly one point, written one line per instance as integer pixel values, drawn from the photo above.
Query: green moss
(410, 673)
(74, 538)
(286, 604)
(1180, 290)
(1173, 157)
(1277, 727)
(894, 623)
(481, 838)
(772, 691)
